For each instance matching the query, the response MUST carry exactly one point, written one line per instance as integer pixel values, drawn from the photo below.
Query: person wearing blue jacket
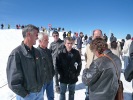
(79, 42)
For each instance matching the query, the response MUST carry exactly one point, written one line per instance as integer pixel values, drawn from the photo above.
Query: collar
(65, 50)
(57, 40)
(27, 48)
(24, 50)
(107, 51)
(42, 48)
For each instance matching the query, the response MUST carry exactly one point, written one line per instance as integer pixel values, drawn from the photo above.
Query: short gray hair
(41, 34)
(29, 28)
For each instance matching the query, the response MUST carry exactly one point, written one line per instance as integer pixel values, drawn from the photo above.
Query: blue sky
(114, 16)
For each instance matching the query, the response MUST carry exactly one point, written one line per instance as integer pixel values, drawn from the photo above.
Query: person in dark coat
(2, 26)
(79, 42)
(86, 39)
(25, 73)
(55, 46)
(68, 63)
(48, 65)
(122, 43)
(8, 26)
(89, 40)
(64, 35)
(101, 77)
(112, 36)
(105, 37)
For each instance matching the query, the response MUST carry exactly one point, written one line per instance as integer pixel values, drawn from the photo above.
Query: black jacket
(101, 77)
(66, 66)
(24, 72)
(48, 64)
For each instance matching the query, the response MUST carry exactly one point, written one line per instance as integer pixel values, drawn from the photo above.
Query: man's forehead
(67, 41)
(35, 31)
(97, 33)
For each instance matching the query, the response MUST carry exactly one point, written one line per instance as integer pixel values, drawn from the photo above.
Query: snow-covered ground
(9, 39)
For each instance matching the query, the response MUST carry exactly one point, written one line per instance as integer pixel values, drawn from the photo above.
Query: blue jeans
(49, 90)
(87, 93)
(32, 96)
(126, 61)
(63, 89)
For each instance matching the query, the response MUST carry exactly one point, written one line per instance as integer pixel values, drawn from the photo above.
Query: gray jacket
(55, 47)
(24, 72)
(48, 64)
(101, 77)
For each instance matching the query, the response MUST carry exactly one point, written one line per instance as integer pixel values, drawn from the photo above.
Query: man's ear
(27, 34)
(39, 41)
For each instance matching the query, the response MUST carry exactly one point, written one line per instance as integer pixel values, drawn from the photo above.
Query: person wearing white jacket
(125, 50)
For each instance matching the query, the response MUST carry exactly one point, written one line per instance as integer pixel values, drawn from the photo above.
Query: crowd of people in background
(18, 26)
(31, 71)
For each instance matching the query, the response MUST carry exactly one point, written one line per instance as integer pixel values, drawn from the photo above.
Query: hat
(113, 39)
(128, 36)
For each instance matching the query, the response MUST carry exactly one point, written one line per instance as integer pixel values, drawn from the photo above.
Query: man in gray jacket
(48, 65)
(56, 46)
(24, 67)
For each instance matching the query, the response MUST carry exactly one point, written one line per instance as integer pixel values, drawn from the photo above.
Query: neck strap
(104, 55)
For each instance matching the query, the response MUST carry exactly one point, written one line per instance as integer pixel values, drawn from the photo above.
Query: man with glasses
(56, 46)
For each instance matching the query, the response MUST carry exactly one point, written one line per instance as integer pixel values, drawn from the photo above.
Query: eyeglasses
(55, 35)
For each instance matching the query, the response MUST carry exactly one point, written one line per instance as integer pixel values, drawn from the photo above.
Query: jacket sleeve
(131, 50)
(78, 43)
(125, 48)
(85, 57)
(15, 75)
(90, 75)
(53, 70)
(58, 65)
(50, 48)
(119, 48)
(79, 63)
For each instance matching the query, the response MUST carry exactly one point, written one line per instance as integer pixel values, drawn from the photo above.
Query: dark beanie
(128, 36)
(114, 39)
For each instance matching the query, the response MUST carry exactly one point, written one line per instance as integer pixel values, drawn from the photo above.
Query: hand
(26, 96)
